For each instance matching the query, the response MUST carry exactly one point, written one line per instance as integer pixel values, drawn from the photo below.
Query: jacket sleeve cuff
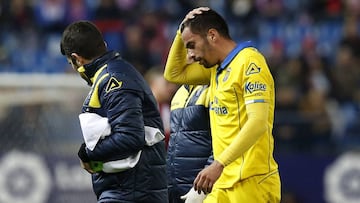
(82, 153)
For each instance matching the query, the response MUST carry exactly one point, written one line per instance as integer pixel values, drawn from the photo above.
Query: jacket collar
(88, 71)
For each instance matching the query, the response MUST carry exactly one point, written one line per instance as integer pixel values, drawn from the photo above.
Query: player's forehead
(189, 38)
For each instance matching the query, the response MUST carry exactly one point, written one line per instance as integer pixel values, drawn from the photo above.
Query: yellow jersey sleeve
(178, 71)
(255, 126)
(257, 79)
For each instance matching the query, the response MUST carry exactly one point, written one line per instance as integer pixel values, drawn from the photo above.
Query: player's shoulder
(250, 56)
(246, 56)
(250, 52)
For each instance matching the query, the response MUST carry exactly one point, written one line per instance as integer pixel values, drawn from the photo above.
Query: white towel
(93, 127)
(122, 164)
(153, 135)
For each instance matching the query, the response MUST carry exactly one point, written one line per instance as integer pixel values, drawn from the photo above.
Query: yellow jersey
(242, 78)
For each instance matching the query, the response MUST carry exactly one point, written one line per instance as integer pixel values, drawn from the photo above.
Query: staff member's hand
(205, 180)
(86, 166)
(84, 159)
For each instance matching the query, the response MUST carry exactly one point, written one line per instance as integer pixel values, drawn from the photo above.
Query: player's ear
(211, 35)
(76, 59)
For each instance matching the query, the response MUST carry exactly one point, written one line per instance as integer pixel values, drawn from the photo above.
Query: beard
(206, 64)
(202, 62)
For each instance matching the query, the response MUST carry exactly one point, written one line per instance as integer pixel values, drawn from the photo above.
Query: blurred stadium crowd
(312, 47)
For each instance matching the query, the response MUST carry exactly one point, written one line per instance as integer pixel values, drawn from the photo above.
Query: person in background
(241, 97)
(189, 148)
(124, 146)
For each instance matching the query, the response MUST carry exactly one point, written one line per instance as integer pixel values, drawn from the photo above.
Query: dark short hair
(83, 38)
(201, 24)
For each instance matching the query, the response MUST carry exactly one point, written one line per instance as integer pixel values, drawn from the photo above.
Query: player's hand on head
(193, 13)
(196, 11)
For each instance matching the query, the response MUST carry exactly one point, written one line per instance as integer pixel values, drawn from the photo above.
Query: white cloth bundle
(193, 196)
(94, 127)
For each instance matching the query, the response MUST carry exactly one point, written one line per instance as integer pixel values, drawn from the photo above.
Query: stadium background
(312, 48)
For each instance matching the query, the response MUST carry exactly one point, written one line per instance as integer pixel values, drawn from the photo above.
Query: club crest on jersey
(251, 87)
(227, 74)
(252, 69)
(113, 84)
